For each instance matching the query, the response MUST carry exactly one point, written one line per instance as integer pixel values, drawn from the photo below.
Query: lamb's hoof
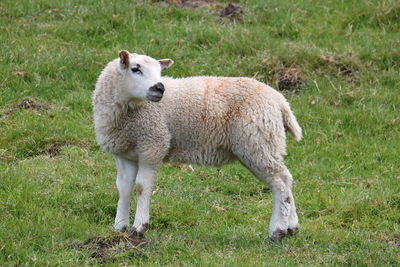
(135, 233)
(278, 235)
(120, 227)
(293, 231)
(139, 233)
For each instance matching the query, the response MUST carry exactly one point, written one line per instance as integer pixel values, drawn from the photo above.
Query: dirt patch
(282, 73)
(52, 150)
(192, 3)
(20, 73)
(394, 121)
(29, 104)
(289, 79)
(101, 247)
(393, 240)
(346, 68)
(233, 12)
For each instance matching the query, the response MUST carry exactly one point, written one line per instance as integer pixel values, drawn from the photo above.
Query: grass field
(338, 63)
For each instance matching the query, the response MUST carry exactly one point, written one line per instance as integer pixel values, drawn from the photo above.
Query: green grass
(346, 169)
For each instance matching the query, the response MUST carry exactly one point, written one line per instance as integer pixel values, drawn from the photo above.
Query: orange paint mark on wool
(204, 111)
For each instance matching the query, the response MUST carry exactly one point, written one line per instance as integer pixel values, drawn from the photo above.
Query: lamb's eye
(136, 70)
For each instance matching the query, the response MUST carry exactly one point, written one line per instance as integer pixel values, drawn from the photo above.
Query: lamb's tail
(290, 122)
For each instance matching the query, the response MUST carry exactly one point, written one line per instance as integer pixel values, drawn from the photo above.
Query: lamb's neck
(109, 115)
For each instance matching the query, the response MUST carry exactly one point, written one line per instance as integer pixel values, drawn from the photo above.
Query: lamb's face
(143, 76)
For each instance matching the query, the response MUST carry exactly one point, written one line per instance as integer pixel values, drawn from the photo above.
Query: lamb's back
(202, 112)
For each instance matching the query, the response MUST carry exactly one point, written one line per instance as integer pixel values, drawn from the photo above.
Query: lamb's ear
(165, 63)
(124, 58)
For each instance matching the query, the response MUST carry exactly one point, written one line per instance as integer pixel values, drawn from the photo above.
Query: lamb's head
(142, 76)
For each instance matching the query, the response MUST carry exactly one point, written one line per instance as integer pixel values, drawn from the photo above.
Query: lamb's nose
(159, 87)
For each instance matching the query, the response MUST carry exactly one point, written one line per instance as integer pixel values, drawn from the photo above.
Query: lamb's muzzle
(156, 92)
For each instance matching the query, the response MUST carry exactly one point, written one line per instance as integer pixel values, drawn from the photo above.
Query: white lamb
(144, 119)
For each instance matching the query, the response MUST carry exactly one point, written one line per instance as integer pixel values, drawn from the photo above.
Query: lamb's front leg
(144, 189)
(127, 171)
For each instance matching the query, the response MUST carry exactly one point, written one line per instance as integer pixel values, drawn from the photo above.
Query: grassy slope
(346, 168)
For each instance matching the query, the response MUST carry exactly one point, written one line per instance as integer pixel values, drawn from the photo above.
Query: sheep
(144, 119)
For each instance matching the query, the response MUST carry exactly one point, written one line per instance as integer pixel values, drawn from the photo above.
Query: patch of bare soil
(25, 104)
(233, 12)
(394, 121)
(100, 247)
(19, 73)
(289, 79)
(52, 150)
(193, 3)
(345, 69)
(393, 240)
(31, 104)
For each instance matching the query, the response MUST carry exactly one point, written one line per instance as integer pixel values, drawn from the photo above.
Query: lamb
(144, 119)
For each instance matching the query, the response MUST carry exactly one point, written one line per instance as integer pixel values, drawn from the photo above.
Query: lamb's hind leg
(276, 176)
(127, 171)
(282, 199)
(293, 227)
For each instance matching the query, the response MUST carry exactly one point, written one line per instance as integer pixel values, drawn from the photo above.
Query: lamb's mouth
(156, 92)
(154, 97)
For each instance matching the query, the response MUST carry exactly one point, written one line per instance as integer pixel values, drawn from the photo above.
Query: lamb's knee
(279, 176)
(277, 183)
